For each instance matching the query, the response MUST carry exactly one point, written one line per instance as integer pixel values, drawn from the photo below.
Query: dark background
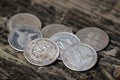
(77, 14)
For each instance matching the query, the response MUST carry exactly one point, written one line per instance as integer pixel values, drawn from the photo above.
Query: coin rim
(107, 36)
(21, 14)
(57, 54)
(18, 28)
(88, 67)
(54, 25)
(64, 33)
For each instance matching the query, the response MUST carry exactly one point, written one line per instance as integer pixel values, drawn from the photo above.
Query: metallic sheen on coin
(64, 40)
(95, 37)
(79, 57)
(23, 19)
(20, 36)
(51, 29)
(41, 52)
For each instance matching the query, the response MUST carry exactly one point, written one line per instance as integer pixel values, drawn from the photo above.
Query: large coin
(54, 28)
(79, 57)
(95, 37)
(20, 36)
(23, 19)
(41, 52)
(64, 40)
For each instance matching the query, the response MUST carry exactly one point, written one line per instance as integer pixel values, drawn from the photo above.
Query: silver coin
(20, 36)
(95, 37)
(54, 28)
(64, 40)
(79, 57)
(23, 19)
(41, 52)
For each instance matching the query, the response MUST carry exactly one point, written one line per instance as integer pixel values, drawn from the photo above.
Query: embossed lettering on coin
(64, 40)
(22, 35)
(95, 37)
(79, 57)
(41, 52)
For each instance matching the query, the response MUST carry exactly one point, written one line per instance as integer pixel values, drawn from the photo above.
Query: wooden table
(76, 14)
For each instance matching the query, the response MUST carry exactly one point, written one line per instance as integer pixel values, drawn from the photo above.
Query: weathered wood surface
(76, 14)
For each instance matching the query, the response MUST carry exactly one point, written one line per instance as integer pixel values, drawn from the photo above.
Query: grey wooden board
(77, 14)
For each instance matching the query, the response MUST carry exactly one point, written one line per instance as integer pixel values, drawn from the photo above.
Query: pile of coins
(42, 47)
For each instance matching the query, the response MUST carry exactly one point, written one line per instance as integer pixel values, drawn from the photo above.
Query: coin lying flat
(79, 57)
(23, 19)
(20, 36)
(64, 40)
(41, 52)
(54, 28)
(95, 37)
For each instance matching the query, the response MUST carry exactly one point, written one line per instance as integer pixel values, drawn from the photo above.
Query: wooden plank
(76, 14)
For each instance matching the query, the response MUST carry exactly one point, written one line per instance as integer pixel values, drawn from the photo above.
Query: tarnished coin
(41, 52)
(23, 19)
(95, 37)
(20, 36)
(79, 57)
(54, 28)
(64, 40)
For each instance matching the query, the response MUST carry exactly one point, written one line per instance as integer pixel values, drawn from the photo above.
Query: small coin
(23, 19)
(95, 37)
(20, 36)
(41, 52)
(79, 57)
(64, 40)
(54, 28)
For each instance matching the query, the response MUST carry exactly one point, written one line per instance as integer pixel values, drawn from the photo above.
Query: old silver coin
(23, 19)
(79, 57)
(41, 52)
(20, 36)
(64, 40)
(95, 37)
(51, 29)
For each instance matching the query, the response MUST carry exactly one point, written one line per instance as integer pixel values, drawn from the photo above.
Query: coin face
(41, 52)
(64, 40)
(95, 37)
(54, 28)
(79, 57)
(20, 36)
(23, 19)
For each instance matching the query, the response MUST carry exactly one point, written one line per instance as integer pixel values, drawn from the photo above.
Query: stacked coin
(95, 37)
(20, 36)
(23, 28)
(79, 57)
(64, 40)
(51, 29)
(23, 19)
(78, 52)
(41, 52)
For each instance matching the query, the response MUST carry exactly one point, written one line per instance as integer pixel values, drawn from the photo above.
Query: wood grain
(76, 14)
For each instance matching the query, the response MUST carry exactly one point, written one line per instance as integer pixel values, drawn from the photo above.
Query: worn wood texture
(76, 14)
